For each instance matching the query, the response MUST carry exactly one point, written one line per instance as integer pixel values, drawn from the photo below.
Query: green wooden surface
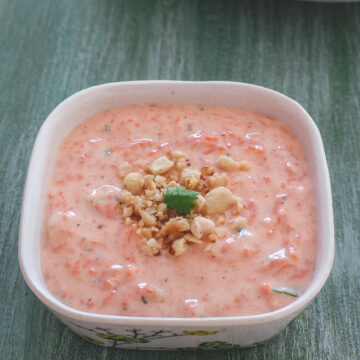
(311, 52)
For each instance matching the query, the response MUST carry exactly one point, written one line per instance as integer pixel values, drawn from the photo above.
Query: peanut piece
(161, 165)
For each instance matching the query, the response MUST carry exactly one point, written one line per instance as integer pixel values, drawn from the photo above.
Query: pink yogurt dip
(91, 259)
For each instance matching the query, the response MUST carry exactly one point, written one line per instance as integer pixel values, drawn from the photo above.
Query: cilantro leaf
(180, 199)
(286, 291)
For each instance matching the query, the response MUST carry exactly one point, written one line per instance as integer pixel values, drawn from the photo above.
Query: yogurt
(91, 258)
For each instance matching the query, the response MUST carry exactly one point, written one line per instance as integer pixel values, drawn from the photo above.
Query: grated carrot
(300, 274)
(92, 271)
(266, 288)
(212, 138)
(108, 283)
(58, 248)
(267, 179)
(270, 232)
(108, 298)
(116, 148)
(257, 148)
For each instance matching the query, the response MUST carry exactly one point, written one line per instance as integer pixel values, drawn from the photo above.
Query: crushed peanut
(124, 169)
(151, 248)
(143, 206)
(134, 182)
(219, 200)
(239, 223)
(217, 180)
(227, 163)
(221, 232)
(175, 226)
(202, 226)
(190, 178)
(127, 211)
(179, 246)
(161, 165)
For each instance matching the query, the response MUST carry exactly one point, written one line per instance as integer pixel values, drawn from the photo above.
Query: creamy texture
(91, 259)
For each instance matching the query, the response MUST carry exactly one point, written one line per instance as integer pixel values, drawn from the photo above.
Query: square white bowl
(171, 333)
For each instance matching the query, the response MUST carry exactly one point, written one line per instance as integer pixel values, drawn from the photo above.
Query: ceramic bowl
(171, 333)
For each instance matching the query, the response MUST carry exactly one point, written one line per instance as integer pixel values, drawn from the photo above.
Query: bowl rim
(293, 308)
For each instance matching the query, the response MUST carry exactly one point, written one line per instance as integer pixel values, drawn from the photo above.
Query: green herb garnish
(180, 199)
(286, 291)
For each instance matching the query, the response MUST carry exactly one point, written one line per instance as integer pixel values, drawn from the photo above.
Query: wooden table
(50, 49)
